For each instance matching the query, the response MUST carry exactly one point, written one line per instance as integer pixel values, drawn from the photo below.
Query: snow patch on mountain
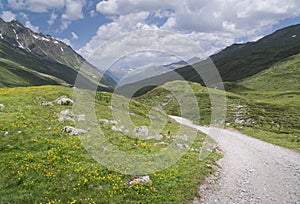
(41, 38)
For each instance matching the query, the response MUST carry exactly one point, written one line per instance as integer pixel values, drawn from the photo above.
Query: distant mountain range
(126, 75)
(29, 58)
(234, 63)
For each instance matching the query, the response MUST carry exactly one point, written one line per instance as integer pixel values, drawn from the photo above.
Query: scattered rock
(158, 137)
(72, 131)
(139, 180)
(100, 188)
(108, 122)
(160, 143)
(104, 121)
(46, 103)
(5, 133)
(64, 100)
(66, 115)
(182, 146)
(143, 131)
(113, 122)
(117, 129)
(250, 121)
(2, 106)
(239, 121)
(194, 150)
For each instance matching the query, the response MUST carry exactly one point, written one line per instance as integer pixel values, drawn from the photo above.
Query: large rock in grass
(143, 131)
(72, 131)
(139, 180)
(64, 100)
(46, 103)
(68, 115)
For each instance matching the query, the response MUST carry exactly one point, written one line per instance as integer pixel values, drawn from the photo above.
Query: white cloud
(73, 12)
(211, 25)
(74, 36)
(120, 26)
(33, 28)
(221, 20)
(72, 9)
(38, 6)
(8, 16)
(23, 15)
(124, 7)
(65, 40)
(92, 13)
(52, 19)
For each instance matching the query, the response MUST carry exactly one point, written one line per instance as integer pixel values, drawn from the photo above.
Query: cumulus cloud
(120, 26)
(92, 13)
(210, 24)
(52, 19)
(124, 7)
(30, 26)
(23, 15)
(73, 12)
(8, 16)
(72, 9)
(74, 36)
(38, 6)
(66, 41)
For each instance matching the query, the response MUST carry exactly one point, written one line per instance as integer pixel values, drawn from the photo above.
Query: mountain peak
(43, 54)
(16, 22)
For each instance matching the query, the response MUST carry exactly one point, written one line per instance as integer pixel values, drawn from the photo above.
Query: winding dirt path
(252, 171)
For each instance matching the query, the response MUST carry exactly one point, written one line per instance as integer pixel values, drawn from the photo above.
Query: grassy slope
(277, 123)
(277, 91)
(12, 58)
(13, 74)
(283, 76)
(39, 164)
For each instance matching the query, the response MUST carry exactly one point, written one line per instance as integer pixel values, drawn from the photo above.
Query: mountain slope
(270, 116)
(283, 76)
(234, 63)
(240, 61)
(44, 55)
(37, 159)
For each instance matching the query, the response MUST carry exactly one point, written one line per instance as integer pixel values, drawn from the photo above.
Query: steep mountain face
(235, 63)
(44, 57)
(240, 61)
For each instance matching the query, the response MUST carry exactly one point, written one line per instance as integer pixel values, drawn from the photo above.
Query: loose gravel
(252, 171)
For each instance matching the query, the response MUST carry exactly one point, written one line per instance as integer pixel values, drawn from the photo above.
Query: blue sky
(212, 25)
(85, 27)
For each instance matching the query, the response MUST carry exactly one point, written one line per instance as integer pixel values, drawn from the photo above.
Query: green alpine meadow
(71, 131)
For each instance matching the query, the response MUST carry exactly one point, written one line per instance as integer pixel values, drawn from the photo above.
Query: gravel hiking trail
(252, 171)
